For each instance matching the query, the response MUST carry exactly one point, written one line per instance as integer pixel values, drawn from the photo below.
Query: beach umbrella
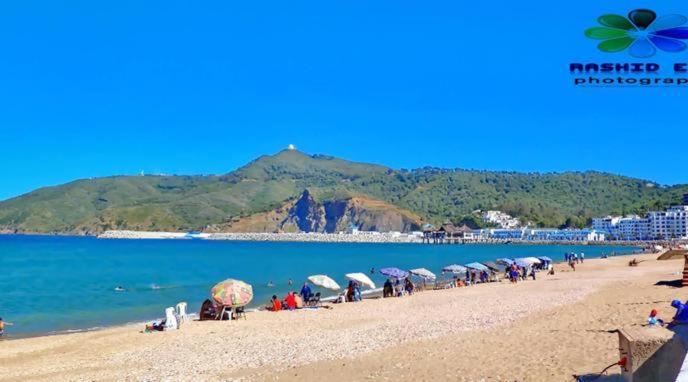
(545, 258)
(394, 272)
(361, 278)
(505, 261)
(522, 263)
(455, 268)
(527, 260)
(424, 273)
(324, 282)
(493, 266)
(477, 266)
(232, 293)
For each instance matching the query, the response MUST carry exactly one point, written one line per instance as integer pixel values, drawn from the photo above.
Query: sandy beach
(538, 330)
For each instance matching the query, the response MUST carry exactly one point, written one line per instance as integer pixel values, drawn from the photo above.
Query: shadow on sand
(599, 378)
(669, 283)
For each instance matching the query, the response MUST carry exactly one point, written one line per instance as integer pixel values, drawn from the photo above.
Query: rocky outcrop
(306, 214)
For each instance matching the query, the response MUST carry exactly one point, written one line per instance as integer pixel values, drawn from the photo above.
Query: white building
(607, 225)
(669, 224)
(542, 234)
(656, 225)
(501, 219)
(633, 228)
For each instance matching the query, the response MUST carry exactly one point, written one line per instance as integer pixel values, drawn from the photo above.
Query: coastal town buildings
(500, 219)
(669, 224)
(542, 234)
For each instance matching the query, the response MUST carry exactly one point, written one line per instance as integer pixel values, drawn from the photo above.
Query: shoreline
(437, 321)
(326, 299)
(324, 238)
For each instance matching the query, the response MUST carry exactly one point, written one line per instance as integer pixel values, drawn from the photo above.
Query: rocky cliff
(306, 214)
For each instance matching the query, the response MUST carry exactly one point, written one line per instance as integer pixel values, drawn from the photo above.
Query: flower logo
(642, 31)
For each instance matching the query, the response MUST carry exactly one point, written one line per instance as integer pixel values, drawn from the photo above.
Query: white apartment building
(634, 228)
(607, 225)
(669, 224)
(656, 225)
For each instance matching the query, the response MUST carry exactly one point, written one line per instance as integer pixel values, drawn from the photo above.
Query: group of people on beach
(294, 300)
(573, 258)
(397, 288)
(515, 273)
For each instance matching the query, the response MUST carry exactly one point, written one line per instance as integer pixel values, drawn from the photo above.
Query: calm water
(50, 284)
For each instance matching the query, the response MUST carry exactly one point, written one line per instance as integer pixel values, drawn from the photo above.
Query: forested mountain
(272, 183)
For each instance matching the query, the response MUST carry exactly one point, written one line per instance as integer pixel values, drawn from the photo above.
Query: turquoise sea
(54, 284)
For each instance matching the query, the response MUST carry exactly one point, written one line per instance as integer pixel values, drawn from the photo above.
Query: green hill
(195, 202)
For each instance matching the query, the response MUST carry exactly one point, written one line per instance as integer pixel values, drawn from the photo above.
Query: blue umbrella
(394, 272)
(505, 261)
(545, 258)
(477, 266)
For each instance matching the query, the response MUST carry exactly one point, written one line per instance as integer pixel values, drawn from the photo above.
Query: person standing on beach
(2, 327)
(582, 257)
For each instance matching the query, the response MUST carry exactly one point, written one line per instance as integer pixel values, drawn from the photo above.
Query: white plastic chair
(180, 309)
(171, 322)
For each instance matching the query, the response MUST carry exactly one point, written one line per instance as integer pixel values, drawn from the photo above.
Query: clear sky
(94, 88)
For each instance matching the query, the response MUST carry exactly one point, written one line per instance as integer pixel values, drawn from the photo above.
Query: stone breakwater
(361, 237)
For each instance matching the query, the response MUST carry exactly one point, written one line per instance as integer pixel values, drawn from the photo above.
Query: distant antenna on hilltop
(291, 147)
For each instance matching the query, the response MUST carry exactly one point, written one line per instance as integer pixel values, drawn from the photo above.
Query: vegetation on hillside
(194, 202)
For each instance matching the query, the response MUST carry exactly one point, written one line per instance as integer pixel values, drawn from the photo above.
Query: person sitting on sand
(276, 304)
(306, 292)
(532, 273)
(398, 288)
(2, 326)
(357, 291)
(653, 320)
(387, 289)
(408, 286)
(290, 300)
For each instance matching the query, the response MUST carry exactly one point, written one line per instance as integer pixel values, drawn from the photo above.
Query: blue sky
(101, 88)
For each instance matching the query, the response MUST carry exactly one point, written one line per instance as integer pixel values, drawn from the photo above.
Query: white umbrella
(454, 268)
(361, 278)
(535, 260)
(526, 261)
(424, 273)
(324, 281)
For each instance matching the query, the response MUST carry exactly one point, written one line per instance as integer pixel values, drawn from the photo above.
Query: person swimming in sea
(270, 284)
(119, 288)
(155, 286)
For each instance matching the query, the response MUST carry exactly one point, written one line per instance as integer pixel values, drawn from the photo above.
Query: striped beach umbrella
(232, 293)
